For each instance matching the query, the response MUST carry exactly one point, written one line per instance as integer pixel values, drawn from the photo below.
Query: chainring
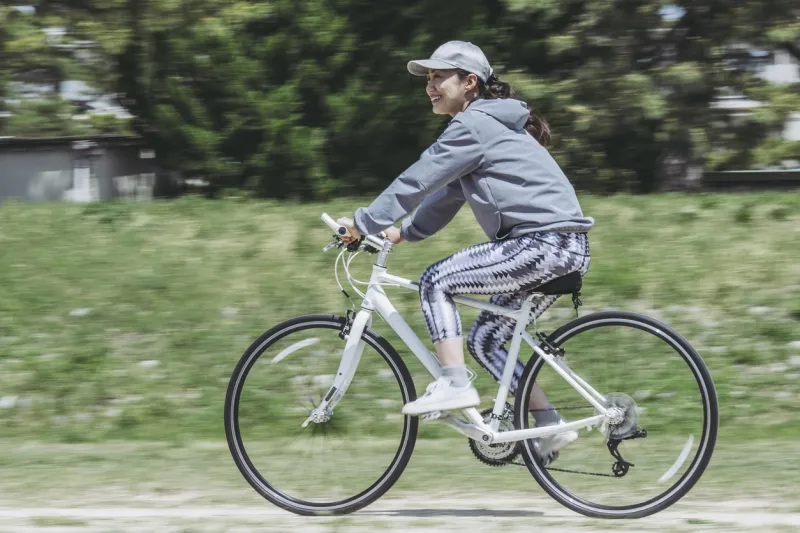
(499, 454)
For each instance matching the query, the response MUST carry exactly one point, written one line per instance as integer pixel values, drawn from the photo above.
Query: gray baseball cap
(452, 55)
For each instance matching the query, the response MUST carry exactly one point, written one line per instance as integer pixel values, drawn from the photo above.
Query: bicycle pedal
(433, 415)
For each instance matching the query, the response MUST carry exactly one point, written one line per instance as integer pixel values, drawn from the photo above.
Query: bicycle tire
(238, 449)
(710, 412)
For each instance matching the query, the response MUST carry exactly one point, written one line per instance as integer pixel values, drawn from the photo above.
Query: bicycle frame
(376, 300)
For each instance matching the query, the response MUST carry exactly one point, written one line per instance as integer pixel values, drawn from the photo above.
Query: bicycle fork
(353, 349)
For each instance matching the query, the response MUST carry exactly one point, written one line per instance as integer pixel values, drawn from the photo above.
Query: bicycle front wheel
(335, 466)
(662, 440)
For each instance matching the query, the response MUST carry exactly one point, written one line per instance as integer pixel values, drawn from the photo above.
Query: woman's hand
(354, 233)
(394, 235)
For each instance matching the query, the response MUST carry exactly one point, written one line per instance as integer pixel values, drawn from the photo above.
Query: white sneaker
(441, 395)
(547, 447)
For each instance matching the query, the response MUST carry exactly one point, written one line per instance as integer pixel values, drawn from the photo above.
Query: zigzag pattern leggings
(508, 270)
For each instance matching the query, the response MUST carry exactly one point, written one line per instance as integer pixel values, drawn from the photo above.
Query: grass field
(125, 320)
(120, 325)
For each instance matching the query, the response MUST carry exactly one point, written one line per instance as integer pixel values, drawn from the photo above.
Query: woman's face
(448, 93)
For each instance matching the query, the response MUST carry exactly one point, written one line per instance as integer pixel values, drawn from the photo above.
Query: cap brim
(423, 66)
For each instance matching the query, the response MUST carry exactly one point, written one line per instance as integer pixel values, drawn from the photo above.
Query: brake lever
(368, 248)
(333, 244)
(355, 245)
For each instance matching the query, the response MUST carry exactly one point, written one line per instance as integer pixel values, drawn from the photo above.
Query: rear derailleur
(621, 466)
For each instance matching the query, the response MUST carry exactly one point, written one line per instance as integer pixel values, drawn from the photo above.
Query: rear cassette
(625, 424)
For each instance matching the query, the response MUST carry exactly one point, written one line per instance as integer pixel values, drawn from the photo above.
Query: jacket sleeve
(435, 212)
(457, 152)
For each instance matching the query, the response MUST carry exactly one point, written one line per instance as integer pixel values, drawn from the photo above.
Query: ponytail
(493, 89)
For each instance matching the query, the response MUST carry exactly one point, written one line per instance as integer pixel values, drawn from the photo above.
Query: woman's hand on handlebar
(394, 235)
(351, 228)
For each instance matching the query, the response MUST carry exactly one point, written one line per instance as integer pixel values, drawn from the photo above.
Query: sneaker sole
(447, 406)
(561, 441)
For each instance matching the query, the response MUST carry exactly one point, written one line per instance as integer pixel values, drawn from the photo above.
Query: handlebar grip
(340, 230)
(376, 242)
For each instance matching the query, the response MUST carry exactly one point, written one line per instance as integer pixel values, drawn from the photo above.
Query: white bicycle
(313, 409)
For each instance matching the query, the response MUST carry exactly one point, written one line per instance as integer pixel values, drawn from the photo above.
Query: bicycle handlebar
(341, 231)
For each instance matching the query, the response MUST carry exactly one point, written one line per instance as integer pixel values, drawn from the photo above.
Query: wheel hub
(622, 416)
(320, 416)
(615, 416)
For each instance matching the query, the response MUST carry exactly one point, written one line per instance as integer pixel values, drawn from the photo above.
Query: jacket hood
(511, 113)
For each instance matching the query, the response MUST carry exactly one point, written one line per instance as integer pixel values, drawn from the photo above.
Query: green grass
(200, 474)
(125, 320)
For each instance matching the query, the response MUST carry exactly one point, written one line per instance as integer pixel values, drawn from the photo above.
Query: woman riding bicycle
(491, 156)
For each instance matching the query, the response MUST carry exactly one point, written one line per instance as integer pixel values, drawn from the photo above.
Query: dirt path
(195, 488)
(511, 513)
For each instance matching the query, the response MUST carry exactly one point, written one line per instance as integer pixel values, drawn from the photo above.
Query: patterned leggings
(508, 270)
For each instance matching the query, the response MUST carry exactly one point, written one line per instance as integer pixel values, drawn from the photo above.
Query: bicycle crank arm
(465, 428)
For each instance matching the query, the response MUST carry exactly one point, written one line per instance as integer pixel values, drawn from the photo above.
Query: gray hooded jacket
(484, 157)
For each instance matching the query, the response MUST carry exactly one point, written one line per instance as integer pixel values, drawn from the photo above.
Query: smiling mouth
(435, 99)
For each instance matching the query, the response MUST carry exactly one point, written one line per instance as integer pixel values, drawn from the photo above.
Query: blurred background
(163, 165)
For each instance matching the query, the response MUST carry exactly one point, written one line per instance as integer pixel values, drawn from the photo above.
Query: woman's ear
(473, 82)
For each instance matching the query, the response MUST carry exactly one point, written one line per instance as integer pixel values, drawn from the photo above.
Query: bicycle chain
(565, 470)
(568, 471)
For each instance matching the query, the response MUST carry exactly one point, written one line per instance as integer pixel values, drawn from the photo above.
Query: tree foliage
(310, 98)
(42, 46)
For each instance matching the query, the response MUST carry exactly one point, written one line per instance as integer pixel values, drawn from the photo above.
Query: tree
(774, 25)
(305, 99)
(42, 46)
(629, 86)
(285, 98)
(4, 37)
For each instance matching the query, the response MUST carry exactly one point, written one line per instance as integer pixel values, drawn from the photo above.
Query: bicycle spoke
(342, 453)
(657, 446)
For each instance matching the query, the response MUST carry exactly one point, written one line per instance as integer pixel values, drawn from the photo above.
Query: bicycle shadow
(457, 513)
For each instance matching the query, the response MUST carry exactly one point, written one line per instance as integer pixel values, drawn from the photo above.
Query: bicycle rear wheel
(652, 457)
(333, 467)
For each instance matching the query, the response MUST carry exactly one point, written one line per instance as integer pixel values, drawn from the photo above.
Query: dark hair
(536, 125)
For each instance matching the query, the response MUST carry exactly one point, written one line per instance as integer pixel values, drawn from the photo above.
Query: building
(77, 169)
(778, 67)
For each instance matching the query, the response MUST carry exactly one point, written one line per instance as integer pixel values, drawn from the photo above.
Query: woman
(491, 156)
